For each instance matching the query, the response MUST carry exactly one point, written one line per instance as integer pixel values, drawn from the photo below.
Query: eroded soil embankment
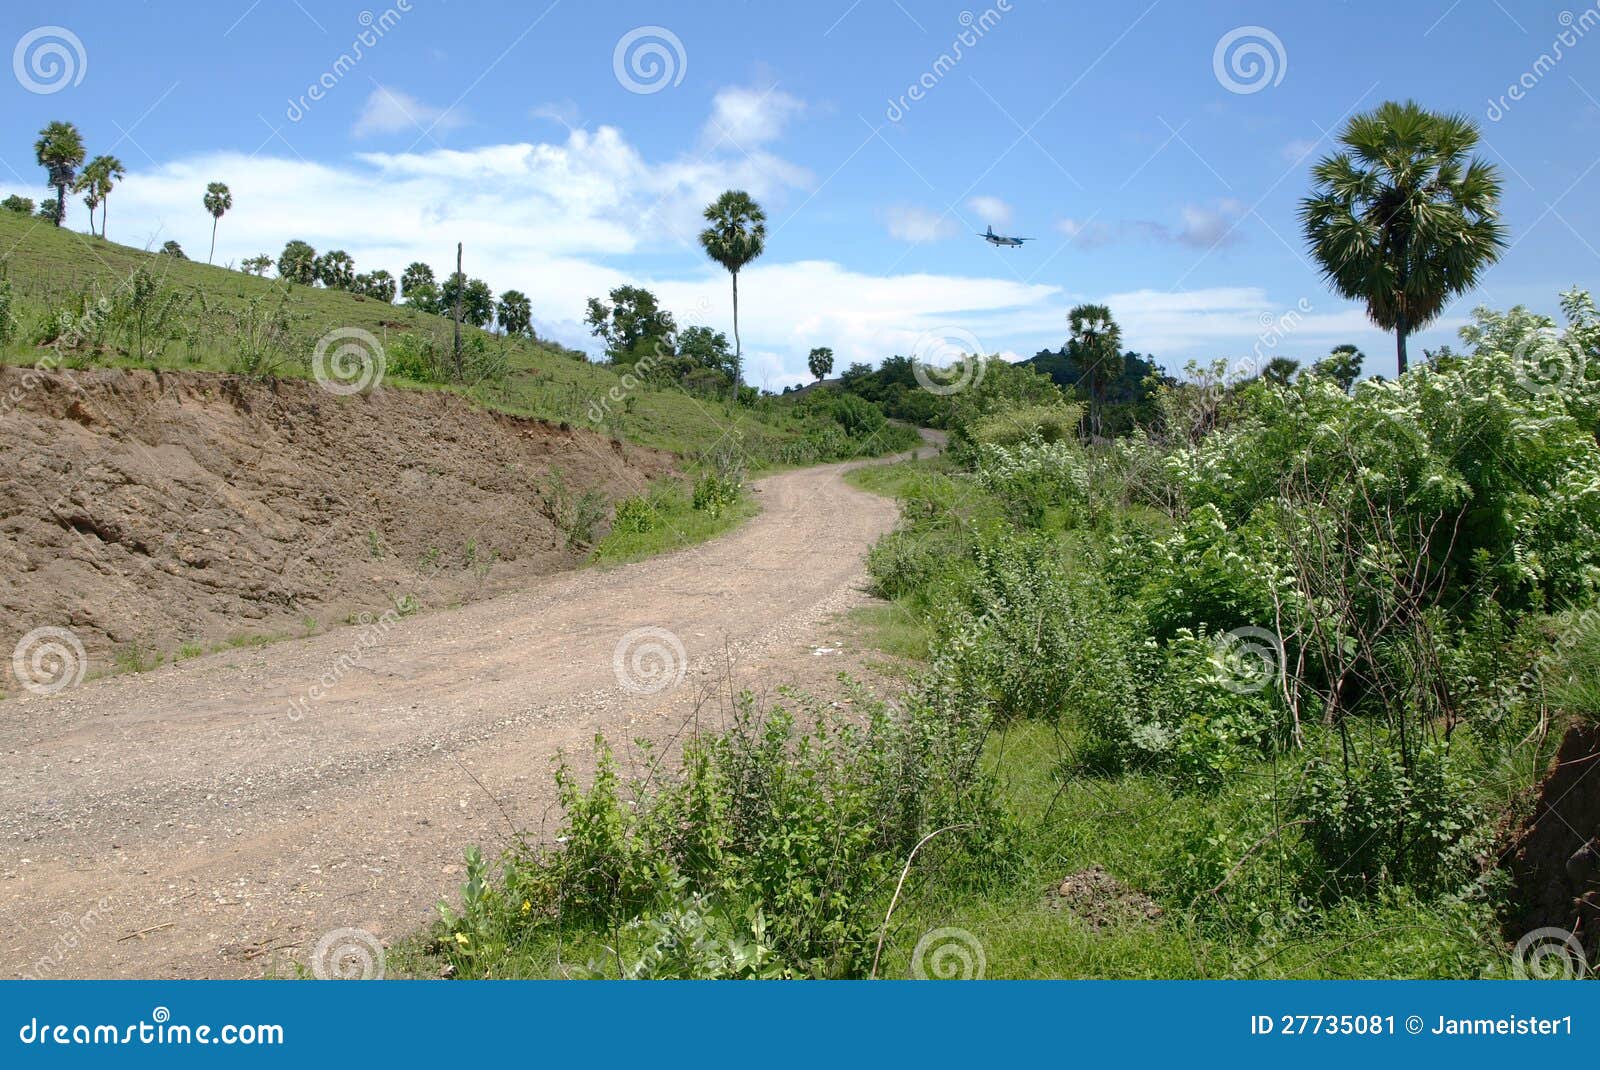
(1555, 857)
(146, 510)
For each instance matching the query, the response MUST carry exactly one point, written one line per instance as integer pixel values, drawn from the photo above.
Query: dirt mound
(145, 511)
(1555, 860)
(1101, 901)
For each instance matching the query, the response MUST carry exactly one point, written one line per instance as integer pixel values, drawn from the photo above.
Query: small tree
(418, 288)
(298, 263)
(633, 326)
(20, 205)
(1280, 370)
(256, 265)
(60, 152)
(820, 363)
(477, 300)
(1343, 366)
(174, 250)
(218, 200)
(50, 209)
(516, 313)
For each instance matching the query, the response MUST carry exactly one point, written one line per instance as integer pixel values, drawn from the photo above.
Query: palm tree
(218, 199)
(298, 263)
(736, 236)
(60, 152)
(1280, 370)
(91, 199)
(1404, 218)
(1095, 350)
(820, 362)
(516, 313)
(107, 171)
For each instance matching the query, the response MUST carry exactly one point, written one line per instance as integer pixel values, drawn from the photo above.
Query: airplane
(1000, 239)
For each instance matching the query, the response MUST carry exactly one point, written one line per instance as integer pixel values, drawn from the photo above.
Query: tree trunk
(213, 254)
(61, 204)
(738, 349)
(105, 205)
(1400, 342)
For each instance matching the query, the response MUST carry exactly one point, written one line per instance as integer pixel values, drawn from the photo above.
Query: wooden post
(461, 287)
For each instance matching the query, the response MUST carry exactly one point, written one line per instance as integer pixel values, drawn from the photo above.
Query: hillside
(200, 312)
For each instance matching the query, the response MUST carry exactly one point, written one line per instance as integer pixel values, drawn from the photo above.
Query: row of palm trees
(61, 152)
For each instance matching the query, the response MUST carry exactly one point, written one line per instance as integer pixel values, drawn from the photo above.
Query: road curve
(209, 818)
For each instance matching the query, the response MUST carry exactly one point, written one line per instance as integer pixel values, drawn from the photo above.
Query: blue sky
(1104, 131)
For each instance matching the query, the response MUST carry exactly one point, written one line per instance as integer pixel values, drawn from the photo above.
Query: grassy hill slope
(203, 318)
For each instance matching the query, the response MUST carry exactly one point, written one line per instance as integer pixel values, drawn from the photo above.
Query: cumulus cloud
(745, 117)
(391, 111)
(992, 211)
(918, 224)
(1199, 226)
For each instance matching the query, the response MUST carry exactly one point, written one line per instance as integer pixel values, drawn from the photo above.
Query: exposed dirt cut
(144, 510)
(1555, 859)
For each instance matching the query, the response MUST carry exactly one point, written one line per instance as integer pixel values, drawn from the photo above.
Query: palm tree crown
(736, 236)
(1404, 218)
(60, 152)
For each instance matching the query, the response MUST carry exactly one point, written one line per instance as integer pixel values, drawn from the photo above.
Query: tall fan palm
(1404, 218)
(218, 200)
(736, 236)
(108, 171)
(1095, 349)
(60, 152)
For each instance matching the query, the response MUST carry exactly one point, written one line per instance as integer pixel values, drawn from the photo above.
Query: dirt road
(208, 818)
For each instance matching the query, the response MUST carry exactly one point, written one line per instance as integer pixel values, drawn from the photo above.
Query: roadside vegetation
(1250, 672)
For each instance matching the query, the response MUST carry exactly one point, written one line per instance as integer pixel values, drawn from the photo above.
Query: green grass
(63, 270)
(670, 522)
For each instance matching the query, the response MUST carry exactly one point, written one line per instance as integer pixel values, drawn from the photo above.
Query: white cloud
(991, 211)
(391, 111)
(918, 224)
(1205, 227)
(746, 118)
(1087, 233)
